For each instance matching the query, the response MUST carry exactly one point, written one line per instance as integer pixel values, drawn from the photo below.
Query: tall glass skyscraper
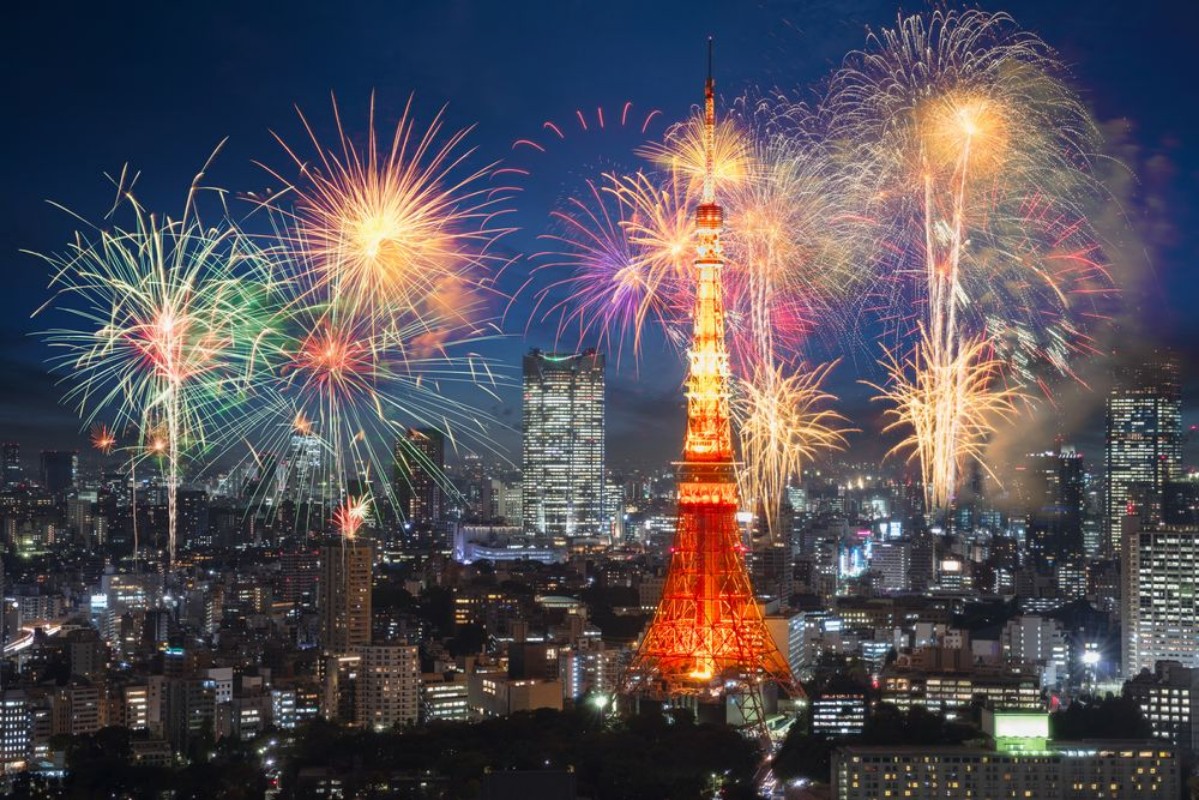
(420, 475)
(563, 451)
(1144, 439)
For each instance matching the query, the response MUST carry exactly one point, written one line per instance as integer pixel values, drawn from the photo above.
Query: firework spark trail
(603, 284)
(948, 417)
(782, 425)
(157, 306)
(962, 136)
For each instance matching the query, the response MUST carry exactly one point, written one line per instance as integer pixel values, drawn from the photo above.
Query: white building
(1160, 600)
(1038, 642)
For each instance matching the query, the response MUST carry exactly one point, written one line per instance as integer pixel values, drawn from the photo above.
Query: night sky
(90, 87)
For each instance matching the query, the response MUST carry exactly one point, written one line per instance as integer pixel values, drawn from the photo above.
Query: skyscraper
(563, 453)
(59, 470)
(419, 472)
(303, 477)
(1054, 496)
(345, 595)
(1160, 618)
(10, 464)
(1144, 438)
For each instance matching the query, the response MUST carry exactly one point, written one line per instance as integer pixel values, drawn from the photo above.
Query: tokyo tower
(708, 640)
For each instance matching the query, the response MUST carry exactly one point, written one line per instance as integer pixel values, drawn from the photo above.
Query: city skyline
(646, 390)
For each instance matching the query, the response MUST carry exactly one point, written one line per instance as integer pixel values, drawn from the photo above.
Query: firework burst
(381, 227)
(385, 286)
(948, 407)
(624, 251)
(976, 158)
(160, 330)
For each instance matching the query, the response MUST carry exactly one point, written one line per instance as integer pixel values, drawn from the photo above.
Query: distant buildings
(419, 475)
(345, 595)
(563, 446)
(60, 470)
(1053, 485)
(1144, 439)
(11, 472)
(1023, 763)
(1161, 607)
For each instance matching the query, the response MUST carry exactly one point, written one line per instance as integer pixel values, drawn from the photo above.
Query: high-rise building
(1144, 438)
(303, 475)
(563, 452)
(60, 468)
(1169, 700)
(14, 730)
(1054, 496)
(419, 474)
(1160, 618)
(345, 595)
(389, 681)
(10, 464)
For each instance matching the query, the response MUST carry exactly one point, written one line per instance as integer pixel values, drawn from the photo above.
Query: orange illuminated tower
(708, 639)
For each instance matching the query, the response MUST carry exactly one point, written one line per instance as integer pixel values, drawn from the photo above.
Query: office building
(11, 472)
(1159, 617)
(1144, 439)
(388, 686)
(444, 697)
(563, 448)
(419, 477)
(1169, 700)
(14, 730)
(1054, 495)
(890, 562)
(347, 570)
(838, 714)
(60, 470)
(1023, 763)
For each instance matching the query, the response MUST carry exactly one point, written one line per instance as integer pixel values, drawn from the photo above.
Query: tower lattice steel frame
(708, 639)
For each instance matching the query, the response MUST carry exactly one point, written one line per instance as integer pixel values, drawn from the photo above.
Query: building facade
(563, 445)
(1144, 437)
(1159, 597)
(389, 686)
(345, 596)
(419, 476)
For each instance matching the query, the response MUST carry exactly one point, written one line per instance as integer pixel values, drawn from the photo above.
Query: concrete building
(838, 714)
(345, 595)
(389, 692)
(1039, 644)
(1160, 615)
(1023, 763)
(1169, 699)
(444, 697)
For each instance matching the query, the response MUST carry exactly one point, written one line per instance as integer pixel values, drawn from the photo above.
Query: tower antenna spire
(709, 132)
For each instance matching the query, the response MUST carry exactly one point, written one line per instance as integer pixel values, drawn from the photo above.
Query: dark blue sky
(92, 86)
